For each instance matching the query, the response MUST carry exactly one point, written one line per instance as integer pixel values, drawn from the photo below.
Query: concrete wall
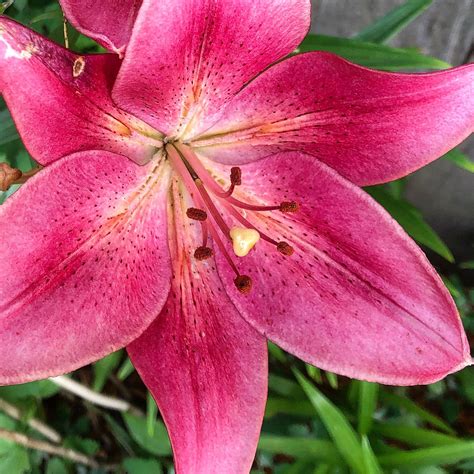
(442, 191)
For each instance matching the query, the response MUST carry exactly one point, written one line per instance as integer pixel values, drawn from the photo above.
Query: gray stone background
(442, 191)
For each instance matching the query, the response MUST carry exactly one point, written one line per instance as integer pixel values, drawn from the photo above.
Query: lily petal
(178, 88)
(109, 22)
(206, 367)
(370, 126)
(84, 265)
(60, 101)
(358, 297)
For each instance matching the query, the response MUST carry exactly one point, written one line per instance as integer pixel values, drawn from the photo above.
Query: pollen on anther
(196, 214)
(203, 253)
(285, 249)
(289, 206)
(244, 284)
(236, 176)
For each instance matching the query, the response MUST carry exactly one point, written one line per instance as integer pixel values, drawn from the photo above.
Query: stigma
(243, 240)
(209, 197)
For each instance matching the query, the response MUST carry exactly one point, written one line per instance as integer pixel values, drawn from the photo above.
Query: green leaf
(8, 131)
(314, 373)
(460, 159)
(159, 444)
(299, 447)
(151, 414)
(371, 465)
(5, 5)
(103, 368)
(14, 459)
(367, 404)
(285, 387)
(469, 265)
(412, 221)
(276, 352)
(84, 445)
(439, 455)
(119, 433)
(56, 466)
(340, 430)
(125, 370)
(332, 379)
(287, 406)
(375, 56)
(394, 21)
(141, 466)
(39, 389)
(403, 402)
(413, 435)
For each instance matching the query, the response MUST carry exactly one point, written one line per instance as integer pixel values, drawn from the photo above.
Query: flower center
(206, 192)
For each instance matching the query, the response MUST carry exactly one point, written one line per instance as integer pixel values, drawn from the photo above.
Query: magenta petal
(61, 101)
(84, 265)
(187, 58)
(358, 297)
(109, 22)
(370, 126)
(206, 367)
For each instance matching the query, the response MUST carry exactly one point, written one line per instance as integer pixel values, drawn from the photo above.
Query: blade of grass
(460, 159)
(413, 435)
(400, 401)
(288, 407)
(340, 430)
(151, 414)
(368, 393)
(394, 21)
(126, 369)
(371, 465)
(372, 55)
(435, 456)
(299, 447)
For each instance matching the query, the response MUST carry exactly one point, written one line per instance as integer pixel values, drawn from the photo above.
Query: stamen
(236, 176)
(243, 284)
(8, 176)
(212, 208)
(192, 184)
(289, 206)
(235, 180)
(284, 247)
(196, 214)
(244, 240)
(203, 253)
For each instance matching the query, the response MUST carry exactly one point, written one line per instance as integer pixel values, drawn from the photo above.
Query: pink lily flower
(133, 235)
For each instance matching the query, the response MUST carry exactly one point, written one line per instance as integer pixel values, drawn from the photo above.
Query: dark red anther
(8, 176)
(285, 249)
(203, 253)
(243, 284)
(289, 206)
(236, 176)
(196, 214)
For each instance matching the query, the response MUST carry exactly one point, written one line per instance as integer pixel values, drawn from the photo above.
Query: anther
(196, 214)
(236, 176)
(285, 249)
(8, 176)
(243, 284)
(289, 206)
(203, 253)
